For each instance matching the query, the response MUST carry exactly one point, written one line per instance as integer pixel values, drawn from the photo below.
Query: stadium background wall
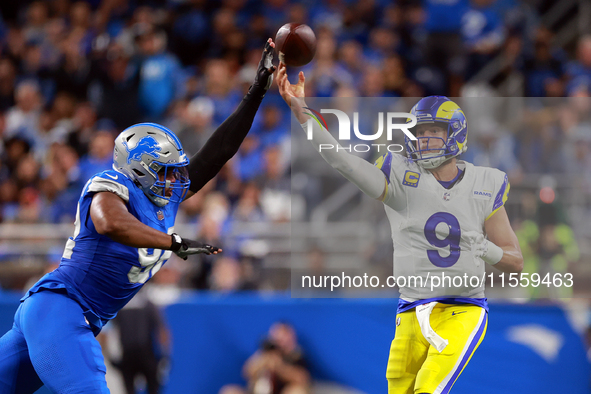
(346, 340)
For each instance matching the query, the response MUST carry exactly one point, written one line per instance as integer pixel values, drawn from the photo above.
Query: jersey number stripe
(452, 240)
(150, 263)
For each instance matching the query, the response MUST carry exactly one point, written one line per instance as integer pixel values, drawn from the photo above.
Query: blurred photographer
(278, 367)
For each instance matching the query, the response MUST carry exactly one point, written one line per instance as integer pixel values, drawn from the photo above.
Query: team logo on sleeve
(483, 194)
(411, 178)
(146, 146)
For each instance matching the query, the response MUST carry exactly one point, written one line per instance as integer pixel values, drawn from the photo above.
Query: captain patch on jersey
(429, 223)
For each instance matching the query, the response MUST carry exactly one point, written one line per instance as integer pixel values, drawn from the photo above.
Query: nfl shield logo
(397, 322)
(446, 196)
(160, 215)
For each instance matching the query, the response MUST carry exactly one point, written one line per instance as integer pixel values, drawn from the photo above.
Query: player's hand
(479, 246)
(183, 247)
(287, 90)
(484, 249)
(265, 71)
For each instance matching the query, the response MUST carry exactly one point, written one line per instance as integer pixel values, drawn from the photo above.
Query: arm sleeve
(99, 184)
(224, 143)
(501, 193)
(368, 178)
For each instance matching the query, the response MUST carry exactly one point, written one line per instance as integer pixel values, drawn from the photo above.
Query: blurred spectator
(62, 184)
(115, 88)
(396, 82)
(316, 261)
(548, 244)
(161, 77)
(372, 84)
(279, 364)
(544, 69)
(325, 77)
(74, 73)
(29, 208)
(140, 342)
(7, 80)
(443, 62)
(537, 151)
(193, 123)
(100, 155)
(83, 125)
(23, 118)
(273, 129)
(352, 61)
(37, 17)
(190, 32)
(8, 199)
(383, 42)
(275, 187)
(249, 159)
(278, 367)
(202, 265)
(15, 149)
(577, 154)
(228, 276)
(220, 88)
(483, 34)
(580, 69)
(494, 147)
(248, 208)
(27, 172)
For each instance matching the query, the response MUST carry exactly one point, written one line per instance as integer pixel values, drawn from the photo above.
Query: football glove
(183, 247)
(264, 76)
(483, 248)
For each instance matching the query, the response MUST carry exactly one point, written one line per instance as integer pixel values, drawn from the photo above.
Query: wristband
(493, 254)
(177, 241)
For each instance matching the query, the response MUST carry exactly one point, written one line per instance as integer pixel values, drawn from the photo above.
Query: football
(296, 44)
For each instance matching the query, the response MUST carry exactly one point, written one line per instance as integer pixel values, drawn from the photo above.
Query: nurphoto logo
(344, 133)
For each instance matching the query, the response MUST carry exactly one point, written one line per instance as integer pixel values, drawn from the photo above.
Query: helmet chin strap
(158, 201)
(431, 163)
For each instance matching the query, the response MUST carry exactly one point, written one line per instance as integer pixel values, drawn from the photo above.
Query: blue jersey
(100, 274)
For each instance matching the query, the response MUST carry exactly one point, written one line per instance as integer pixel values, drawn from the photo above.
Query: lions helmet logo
(146, 146)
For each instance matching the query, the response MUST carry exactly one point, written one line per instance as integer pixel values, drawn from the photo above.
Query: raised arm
(111, 218)
(366, 176)
(225, 141)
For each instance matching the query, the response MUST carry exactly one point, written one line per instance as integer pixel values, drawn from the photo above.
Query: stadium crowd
(73, 74)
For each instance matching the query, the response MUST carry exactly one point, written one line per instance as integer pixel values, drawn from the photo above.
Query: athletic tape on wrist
(494, 254)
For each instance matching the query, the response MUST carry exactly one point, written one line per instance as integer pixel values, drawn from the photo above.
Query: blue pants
(51, 344)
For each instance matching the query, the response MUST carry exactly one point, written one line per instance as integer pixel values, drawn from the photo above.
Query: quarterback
(447, 217)
(124, 233)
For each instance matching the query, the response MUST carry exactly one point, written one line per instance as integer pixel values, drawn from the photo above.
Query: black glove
(183, 247)
(265, 71)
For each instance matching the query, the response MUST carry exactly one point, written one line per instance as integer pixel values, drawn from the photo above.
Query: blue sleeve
(109, 181)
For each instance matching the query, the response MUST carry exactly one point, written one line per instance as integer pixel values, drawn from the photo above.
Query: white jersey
(430, 225)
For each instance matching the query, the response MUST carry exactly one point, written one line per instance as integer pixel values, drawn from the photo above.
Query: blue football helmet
(444, 113)
(153, 158)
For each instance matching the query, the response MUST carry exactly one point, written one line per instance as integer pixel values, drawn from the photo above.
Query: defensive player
(440, 210)
(123, 235)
